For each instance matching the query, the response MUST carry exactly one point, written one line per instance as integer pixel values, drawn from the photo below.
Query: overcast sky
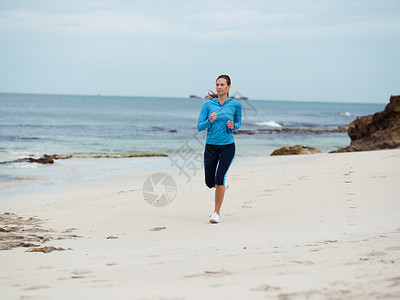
(315, 50)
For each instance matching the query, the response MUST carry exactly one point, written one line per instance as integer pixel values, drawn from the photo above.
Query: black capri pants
(217, 160)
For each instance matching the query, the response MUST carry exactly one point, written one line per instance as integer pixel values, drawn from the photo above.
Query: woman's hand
(212, 117)
(230, 125)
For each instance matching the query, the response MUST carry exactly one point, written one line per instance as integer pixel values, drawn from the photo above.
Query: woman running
(220, 116)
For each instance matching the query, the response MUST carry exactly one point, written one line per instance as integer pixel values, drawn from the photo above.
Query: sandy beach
(323, 226)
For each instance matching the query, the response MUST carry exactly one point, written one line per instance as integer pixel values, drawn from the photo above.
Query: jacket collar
(217, 101)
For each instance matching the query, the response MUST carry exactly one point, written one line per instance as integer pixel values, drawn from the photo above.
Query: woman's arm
(203, 121)
(237, 120)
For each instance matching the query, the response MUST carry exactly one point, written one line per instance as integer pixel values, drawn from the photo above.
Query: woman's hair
(211, 94)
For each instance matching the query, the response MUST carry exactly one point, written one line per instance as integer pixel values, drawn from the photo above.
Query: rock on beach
(376, 132)
(295, 150)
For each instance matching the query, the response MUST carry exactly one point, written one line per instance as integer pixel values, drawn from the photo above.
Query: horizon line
(188, 97)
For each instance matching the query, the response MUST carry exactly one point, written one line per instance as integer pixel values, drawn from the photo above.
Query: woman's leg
(219, 197)
(211, 156)
(225, 159)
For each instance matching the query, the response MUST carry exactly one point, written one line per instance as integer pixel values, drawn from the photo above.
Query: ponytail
(212, 95)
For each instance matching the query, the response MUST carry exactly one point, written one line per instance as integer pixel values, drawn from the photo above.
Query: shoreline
(81, 170)
(285, 221)
(84, 170)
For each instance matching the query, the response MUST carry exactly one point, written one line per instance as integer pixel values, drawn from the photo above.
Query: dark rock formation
(49, 159)
(295, 150)
(45, 159)
(378, 131)
(123, 155)
(244, 131)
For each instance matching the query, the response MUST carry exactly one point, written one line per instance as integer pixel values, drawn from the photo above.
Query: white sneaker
(214, 218)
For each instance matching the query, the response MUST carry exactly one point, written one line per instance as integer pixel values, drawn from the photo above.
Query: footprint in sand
(314, 249)
(36, 287)
(266, 287)
(376, 253)
(348, 173)
(80, 273)
(305, 262)
(158, 228)
(46, 268)
(245, 206)
(328, 242)
(210, 274)
(263, 195)
(69, 230)
(395, 281)
(393, 248)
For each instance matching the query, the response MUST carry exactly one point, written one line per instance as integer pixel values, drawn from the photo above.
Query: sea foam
(271, 123)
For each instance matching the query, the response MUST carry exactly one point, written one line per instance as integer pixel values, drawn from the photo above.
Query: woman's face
(222, 87)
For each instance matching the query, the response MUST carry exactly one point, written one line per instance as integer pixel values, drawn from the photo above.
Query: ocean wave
(18, 138)
(8, 178)
(271, 123)
(18, 165)
(346, 113)
(157, 128)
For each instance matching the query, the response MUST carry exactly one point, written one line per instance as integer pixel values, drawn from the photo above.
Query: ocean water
(88, 126)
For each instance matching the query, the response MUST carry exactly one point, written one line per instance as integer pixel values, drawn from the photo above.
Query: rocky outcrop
(295, 150)
(378, 131)
(45, 159)
(49, 159)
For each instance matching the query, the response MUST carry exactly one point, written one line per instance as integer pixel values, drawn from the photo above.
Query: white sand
(323, 226)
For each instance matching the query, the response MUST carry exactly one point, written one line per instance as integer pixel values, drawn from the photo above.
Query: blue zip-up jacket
(218, 133)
